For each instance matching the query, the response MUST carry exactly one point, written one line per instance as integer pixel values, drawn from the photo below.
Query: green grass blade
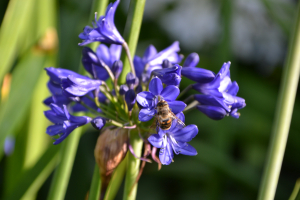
(24, 78)
(132, 32)
(94, 193)
(12, 31)
(62, 174)
(283, 116)
(295, 194)
(35, 175)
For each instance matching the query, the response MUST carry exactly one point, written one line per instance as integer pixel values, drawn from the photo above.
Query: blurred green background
(253, 35)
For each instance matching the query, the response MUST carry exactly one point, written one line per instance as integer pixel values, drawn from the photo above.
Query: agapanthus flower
(77, 86)
(174, 140)
(88, 101)
(219, 96)
(104, 29)
(54, 85)
(153, 60)
(149, 100)
(194, 73)
(64, 123)
(169, 76)
(93, 62)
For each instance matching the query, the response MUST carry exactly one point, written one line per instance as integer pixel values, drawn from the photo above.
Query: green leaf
(24, 78)
(13, 28)
(62, 174)
(35, 175)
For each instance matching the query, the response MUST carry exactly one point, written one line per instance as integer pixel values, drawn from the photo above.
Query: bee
(165, 116)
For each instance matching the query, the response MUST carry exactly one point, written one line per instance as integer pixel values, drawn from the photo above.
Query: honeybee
(165, 116)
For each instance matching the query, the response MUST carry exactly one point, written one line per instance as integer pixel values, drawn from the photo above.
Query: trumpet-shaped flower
(104, 29)
(93, 62)
(64, 123)
(169, 76)
(149, 100)
(153, 60)
(174, 140)
(219, 97)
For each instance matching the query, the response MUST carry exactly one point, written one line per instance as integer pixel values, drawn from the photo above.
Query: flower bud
(192, 60)
(130, 99)
(166, 64)
(131, 80)
(98, 123)
(123, 89)
(117, 68)
(110, 150)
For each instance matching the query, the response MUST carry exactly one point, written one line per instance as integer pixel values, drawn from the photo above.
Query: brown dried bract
(110, 150)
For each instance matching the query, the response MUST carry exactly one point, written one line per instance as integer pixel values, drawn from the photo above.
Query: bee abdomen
(165, 124)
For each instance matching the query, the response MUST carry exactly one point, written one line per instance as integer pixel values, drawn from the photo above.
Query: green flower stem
(283, 116)
(62, 174)
(191, 106)
(132, 32)
(116, 180)
(95, 185)
(133, 166)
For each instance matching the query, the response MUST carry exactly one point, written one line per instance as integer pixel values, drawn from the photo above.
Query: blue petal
(212, 112)
(186, 149)
(156, 140)
(79, 120)
(53, 130)
(165, 54)
(139, 66)
(176, 106)
(57, 74)
(170, 93)
(103, 54)
(145, 99)
(198, 74)
(54, 118)
(130, 99)
(211, 100)
(155, 86)
(233, 89)
(166, 155)
(115, 52)
(186, 134)
(146, 114)
(192, 60)
(150, 52)
(56, 109)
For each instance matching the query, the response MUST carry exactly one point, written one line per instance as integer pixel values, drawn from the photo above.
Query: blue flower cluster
(150, 91)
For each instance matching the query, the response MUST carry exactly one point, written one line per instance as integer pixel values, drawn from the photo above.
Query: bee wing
(179, 124)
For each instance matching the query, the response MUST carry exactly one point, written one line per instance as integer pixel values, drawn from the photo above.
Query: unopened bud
(110, 150)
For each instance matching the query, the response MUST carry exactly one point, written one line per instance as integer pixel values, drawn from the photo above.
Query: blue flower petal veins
(145, 99)
(156, 140)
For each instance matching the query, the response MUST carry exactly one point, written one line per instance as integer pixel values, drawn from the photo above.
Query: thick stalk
(62, 174)
(95, 185)
(283, 116)
(131, 33)
(133, 166)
